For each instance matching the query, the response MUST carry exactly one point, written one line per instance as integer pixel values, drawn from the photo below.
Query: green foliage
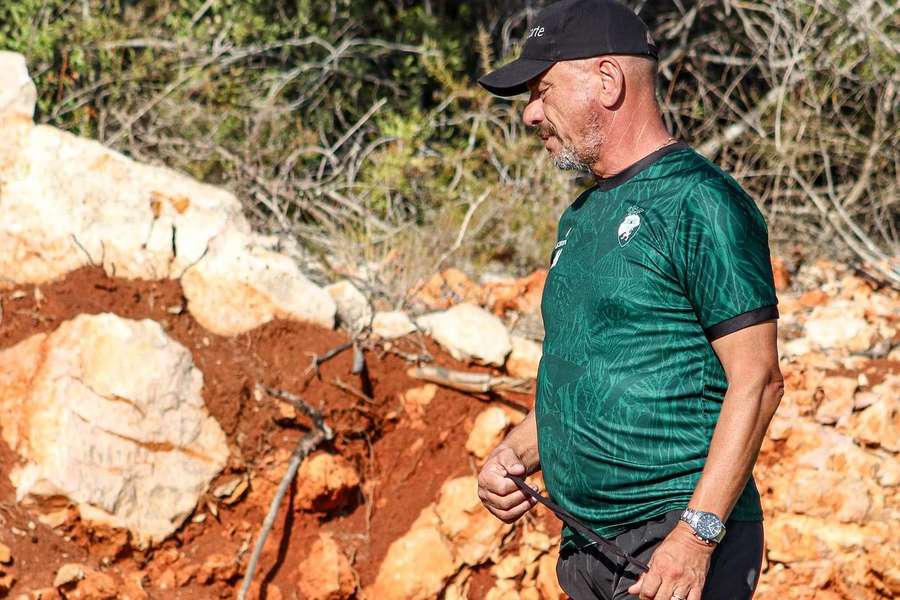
(357, 127)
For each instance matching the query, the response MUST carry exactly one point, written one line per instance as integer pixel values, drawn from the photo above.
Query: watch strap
(692, 518)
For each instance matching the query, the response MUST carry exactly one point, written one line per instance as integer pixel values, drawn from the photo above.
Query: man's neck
(627, 145)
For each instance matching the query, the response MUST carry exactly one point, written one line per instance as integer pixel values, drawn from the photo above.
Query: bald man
(660, 369)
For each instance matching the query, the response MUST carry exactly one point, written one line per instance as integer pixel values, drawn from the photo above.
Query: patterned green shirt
(650, 266)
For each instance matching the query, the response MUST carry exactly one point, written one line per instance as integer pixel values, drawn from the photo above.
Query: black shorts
(590, 573)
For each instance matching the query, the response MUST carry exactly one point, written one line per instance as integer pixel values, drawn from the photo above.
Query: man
(660, 371)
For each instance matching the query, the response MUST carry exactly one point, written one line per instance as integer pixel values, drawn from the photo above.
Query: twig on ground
(307, 443)
(410, 356)
(351, 390)
(318, 361)
(476, 383)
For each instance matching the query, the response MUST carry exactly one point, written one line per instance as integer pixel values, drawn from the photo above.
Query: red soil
(401, 467)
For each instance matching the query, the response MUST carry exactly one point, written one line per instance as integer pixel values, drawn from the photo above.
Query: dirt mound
(402, 464)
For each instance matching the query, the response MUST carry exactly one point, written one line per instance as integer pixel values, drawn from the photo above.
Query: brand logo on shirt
(629, 226)
(557, 250)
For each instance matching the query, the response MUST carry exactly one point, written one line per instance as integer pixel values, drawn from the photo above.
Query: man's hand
(678, 568)
(498, 493)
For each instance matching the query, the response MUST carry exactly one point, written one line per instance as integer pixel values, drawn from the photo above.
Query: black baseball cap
(568, 30)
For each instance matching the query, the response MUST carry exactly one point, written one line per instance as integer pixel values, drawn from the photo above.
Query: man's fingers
(649, 586)
(635, 588)
(696, 592)
(504, 502)
(509, 461)
(513, 513)
(493, 478)
(666, 590)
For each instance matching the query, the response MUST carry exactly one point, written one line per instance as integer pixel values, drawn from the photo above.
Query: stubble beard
(572, 158)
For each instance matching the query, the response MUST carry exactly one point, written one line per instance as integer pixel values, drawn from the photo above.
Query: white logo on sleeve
(630, 224)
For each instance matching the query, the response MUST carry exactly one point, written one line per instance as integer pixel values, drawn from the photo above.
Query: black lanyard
(567, 518)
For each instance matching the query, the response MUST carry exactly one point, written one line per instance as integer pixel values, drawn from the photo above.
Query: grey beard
(568, 160)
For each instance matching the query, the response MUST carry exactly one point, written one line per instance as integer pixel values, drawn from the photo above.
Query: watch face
(708, 526)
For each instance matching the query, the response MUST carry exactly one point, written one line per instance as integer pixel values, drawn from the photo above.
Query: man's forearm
(522, 440)
(746, 412)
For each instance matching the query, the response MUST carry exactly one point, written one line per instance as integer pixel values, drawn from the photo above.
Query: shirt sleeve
(722, 258)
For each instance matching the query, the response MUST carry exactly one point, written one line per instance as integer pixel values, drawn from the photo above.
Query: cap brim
(512, 79)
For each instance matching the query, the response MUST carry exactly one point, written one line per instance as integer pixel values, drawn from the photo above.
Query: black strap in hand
(567, 518)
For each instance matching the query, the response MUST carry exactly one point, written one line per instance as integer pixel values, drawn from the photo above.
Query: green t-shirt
(650, 266)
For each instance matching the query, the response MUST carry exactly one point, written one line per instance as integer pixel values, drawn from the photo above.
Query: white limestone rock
(69, 202)
(353, 309)
(239, 286)
(18, 95)
(840, 325)
(525, 358)
(109, 413)
(488, 430)
(468, 331)
(390, 325)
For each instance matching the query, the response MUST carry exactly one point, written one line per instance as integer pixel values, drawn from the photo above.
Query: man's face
(566, 116)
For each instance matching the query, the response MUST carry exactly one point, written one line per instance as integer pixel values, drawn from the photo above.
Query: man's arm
(755, 387)
(516, 455)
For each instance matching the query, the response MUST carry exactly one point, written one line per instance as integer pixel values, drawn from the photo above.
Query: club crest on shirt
(630, 224)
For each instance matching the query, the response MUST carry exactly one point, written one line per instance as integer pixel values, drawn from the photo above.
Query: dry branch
(321, 432)
(471, 382)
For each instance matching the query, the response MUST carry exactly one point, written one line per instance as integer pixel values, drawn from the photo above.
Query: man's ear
(612, 81)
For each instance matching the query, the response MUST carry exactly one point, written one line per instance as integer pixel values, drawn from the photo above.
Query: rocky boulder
(18, 95)
(453, 532)
(69, 202)
(109, 413)
(469, 332)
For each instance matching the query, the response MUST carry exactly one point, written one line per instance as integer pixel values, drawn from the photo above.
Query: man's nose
(534, 111)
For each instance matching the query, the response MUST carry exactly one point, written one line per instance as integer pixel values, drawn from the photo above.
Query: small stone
(879, 425)
(326, 574)
(68, 573)
(353, 309)
(488, 431)
(469, 332)
(446, 289)
(520, 295)
(837, 403)
(217, 567)
(54, 519)
(416, 400)
(227, 488)
(5, 554)
(390, 325)
(840, 325)
(325, 482)
(525, 358)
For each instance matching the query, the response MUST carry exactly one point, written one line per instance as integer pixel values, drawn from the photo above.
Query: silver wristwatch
(708, 528)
